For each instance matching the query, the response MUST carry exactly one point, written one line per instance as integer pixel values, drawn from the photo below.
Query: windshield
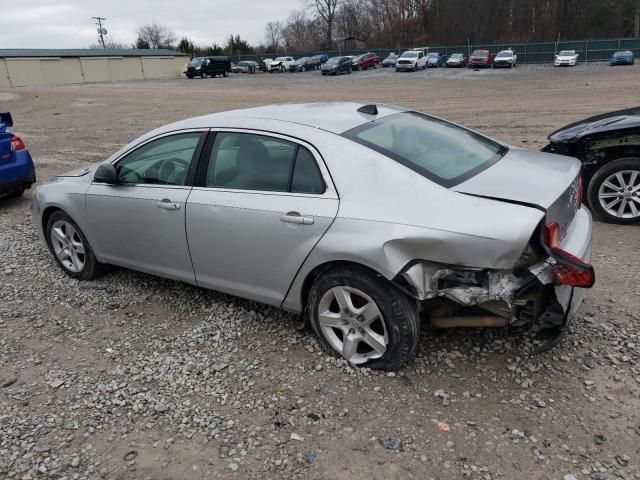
(302, 60)
(455, 56)
(567, 53)
(391, 56)
(480, 53)
(333, 60)
(622, 54)
(443, 152)
(281, 59)
(505, 54)
(410, 54)
(196, 62)
(433, 55)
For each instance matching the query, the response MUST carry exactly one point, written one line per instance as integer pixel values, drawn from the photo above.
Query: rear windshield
(439, 150)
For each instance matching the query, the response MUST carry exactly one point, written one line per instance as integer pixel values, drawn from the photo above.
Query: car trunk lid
(534, 179)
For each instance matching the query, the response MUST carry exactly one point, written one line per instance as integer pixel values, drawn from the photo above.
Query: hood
(541, 180)
(606, 122)
(80, 172)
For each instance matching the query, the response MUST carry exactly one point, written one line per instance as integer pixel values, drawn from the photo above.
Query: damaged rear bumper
(522, 296)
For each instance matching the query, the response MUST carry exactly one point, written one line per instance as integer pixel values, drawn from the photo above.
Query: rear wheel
(70, 248)
(614, 191)
(364, 318)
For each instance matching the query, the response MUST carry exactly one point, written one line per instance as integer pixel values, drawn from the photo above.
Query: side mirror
(106, 173)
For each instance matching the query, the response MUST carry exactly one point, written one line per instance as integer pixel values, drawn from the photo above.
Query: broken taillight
(569, 269)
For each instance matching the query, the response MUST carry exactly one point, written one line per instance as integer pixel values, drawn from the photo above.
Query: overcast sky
(68, 24)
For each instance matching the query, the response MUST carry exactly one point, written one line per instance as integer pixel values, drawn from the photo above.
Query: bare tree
(326, 11)
(153, 35)
(298, 32)
(273, 34)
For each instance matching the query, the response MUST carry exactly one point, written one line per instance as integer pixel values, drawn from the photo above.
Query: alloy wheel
(352, 324)
(619, 194)
(68, 246)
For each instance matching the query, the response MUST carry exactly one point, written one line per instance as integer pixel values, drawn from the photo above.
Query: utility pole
(101, 31)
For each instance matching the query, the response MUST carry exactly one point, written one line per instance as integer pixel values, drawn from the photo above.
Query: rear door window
(250, 162)
(246, 161)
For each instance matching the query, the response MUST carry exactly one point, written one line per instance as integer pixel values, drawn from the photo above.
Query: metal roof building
(38, 67)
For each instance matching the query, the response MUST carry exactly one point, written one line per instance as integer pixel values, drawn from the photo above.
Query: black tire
(225, 74)
(92, 268)
(629, 163)
(203, 75)
(400, 315)
(190, 77)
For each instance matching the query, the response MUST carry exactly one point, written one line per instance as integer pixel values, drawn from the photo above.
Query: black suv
(609, 147)
(336, 65)
(208, 66)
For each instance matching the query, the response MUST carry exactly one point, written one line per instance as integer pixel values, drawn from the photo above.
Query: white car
(411, 60)
(567, 58)
(281, 64)
(506, 59)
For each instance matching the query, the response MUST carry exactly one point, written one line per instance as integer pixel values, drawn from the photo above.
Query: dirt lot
(133, 376)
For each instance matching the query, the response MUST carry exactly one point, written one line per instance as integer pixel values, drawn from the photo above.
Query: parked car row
(410, 60)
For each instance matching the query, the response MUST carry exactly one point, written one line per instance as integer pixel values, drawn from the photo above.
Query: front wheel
(614, 191)
(364, 318)
(70, 248)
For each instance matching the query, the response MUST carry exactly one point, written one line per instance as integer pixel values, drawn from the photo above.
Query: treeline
(388, 23)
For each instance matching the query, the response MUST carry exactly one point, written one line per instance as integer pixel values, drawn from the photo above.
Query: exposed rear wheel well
(318, 271)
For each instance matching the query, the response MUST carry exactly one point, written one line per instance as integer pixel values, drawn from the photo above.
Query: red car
(367, 60)
(481, 58)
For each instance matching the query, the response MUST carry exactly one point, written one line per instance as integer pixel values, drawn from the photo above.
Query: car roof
(334, 117)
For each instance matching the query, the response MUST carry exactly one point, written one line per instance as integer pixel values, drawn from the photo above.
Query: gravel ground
(133, 376)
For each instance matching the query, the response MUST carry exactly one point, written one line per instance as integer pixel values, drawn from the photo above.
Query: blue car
(435, 59)
(17, 172)
(624, 57)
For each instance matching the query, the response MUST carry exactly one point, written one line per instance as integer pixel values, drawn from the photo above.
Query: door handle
(296, 219)
(167, 204)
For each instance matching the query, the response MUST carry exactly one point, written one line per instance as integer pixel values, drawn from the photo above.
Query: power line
(101, 31)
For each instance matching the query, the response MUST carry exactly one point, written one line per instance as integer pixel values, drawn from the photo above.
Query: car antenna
(369, 109)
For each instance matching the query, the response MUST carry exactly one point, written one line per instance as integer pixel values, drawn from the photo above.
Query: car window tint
(306, 174)
(250, 162)
(165, 161)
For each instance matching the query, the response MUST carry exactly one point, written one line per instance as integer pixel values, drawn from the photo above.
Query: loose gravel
(132, 376)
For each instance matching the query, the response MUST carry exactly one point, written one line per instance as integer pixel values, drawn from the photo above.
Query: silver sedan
(369, 220)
